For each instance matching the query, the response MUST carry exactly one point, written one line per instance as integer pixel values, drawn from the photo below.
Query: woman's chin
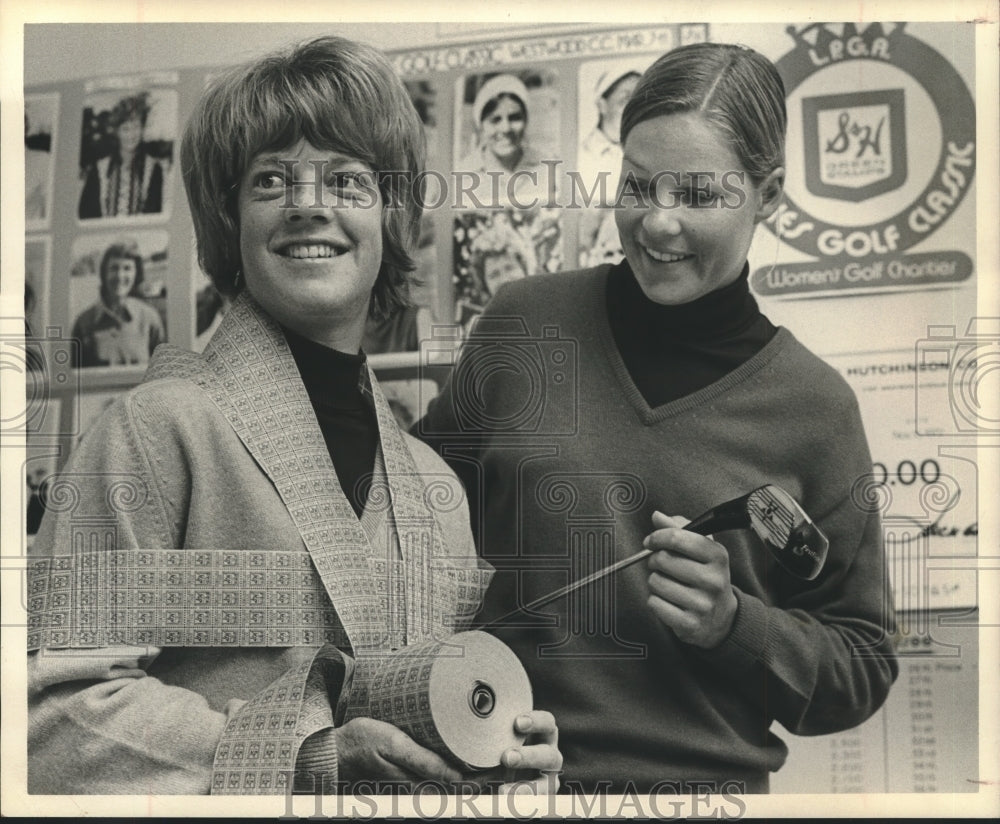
(508, 156)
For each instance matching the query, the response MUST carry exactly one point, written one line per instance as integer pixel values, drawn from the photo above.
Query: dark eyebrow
(267, 160)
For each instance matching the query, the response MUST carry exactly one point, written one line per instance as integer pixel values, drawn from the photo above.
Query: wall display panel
(924, 481)
(442, 83)
(117, 296)
(41, 122)
(551, 71)
(876, 232)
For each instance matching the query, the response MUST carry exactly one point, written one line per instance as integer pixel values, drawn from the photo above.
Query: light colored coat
(203, 574)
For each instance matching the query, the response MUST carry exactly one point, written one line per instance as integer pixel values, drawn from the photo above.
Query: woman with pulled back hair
(676, 394)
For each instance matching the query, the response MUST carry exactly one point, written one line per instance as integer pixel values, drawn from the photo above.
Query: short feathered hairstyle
(338, 95)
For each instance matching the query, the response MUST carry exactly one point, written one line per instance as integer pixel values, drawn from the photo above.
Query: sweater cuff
(746, 642)
(316, 763)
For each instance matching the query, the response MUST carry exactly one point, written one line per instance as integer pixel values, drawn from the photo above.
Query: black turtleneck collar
(337, 385)
(330, 376)
(672, 351)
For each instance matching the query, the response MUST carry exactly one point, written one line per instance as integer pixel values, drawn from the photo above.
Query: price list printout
(925, 739)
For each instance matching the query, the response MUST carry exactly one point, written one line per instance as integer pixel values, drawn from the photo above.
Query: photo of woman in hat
(128, 179)
(504, 165)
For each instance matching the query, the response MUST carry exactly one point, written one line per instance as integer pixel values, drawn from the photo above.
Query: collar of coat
(248, 371)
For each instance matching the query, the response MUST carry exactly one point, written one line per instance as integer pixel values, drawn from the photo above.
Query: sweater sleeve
(820, 652)
(98, 722)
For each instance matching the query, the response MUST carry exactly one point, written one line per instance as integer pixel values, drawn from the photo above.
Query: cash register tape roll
(458, 696)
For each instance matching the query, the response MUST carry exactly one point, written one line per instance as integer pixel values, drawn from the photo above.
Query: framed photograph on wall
(603, 89)
(493, 248)
(506, 128)
(118, 294)
(127, 144)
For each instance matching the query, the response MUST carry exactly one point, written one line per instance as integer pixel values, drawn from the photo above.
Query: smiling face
(119, 278)
(682, 243)
(311, 241)
(503, 129)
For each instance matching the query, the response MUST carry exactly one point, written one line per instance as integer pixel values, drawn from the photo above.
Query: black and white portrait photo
(127, 148)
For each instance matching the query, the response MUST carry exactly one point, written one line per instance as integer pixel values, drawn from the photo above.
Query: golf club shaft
(582, 582)
(611, 569)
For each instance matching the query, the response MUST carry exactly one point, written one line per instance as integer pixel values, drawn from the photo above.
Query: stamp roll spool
(458, 696)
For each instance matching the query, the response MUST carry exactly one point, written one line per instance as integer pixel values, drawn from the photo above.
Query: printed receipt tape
(458, 697)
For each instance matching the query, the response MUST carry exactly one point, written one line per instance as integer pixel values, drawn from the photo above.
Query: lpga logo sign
(857, 147)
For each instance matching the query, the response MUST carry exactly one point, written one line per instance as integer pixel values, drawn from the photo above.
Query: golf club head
(787, 531)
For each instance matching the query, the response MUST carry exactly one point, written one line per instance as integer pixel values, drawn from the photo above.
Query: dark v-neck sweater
(575, 488)
(334, 382)
(673, 351)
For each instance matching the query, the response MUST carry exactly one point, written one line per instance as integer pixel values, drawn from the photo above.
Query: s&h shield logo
(823, 230)
(855, 144)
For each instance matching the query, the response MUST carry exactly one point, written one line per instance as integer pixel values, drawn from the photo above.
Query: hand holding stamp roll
(459, 697)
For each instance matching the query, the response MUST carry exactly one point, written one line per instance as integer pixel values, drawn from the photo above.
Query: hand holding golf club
(689, 583)
(689, 587)
(784, 528)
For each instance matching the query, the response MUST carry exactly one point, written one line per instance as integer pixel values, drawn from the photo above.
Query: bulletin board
(79, 209)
